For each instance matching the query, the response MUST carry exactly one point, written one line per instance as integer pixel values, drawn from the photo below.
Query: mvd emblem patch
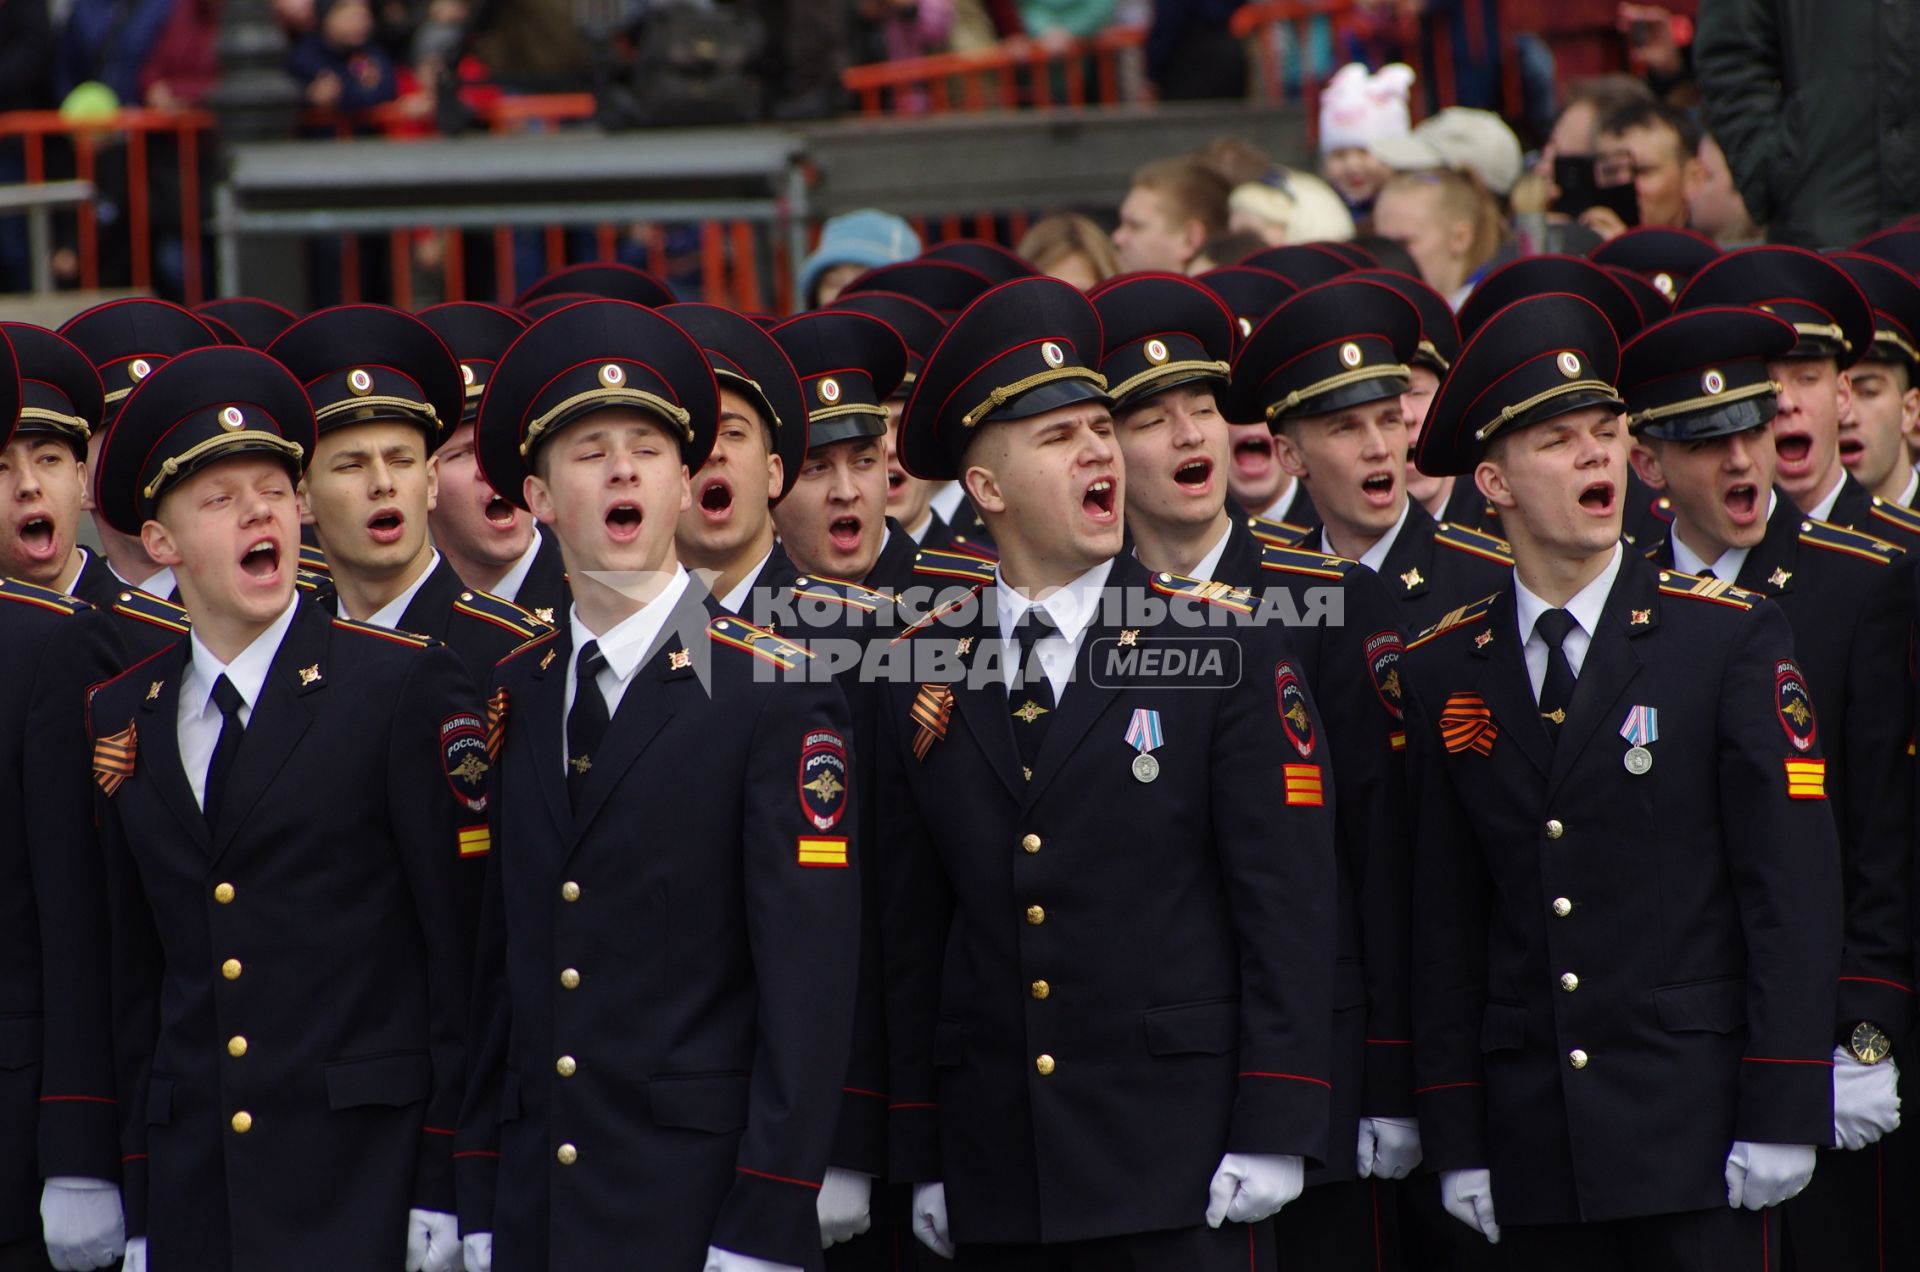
(1794, 704)
(463, 757)
(1383, 665)
(823, 778)
(1294, 717)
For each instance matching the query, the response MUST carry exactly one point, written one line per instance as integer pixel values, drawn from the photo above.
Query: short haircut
(1052, 239)
(1605, 94)
(1193, 191)
(1237, 160)
(1653, 114)
(1232, 247)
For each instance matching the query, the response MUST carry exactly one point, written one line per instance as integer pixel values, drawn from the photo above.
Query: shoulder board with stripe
(1280, 533)
(542, 639)
(1317, 565)
(1478, 542)
(933, 616)
(1225, 595)
(148, 608)
(1718, 591)
(44, 597)
(812, 587)
(758, 641)
(311, 580)
(953, 565)
(1896, 515)
(1823, 534)
(1465, 615)
(312, 558)
(384, 633)
(499, 611)
(968, 546)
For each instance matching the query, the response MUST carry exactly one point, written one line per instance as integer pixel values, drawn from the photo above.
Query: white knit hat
(1358, 108)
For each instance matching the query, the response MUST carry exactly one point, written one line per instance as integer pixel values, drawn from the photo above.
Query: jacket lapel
(278, 720)
(159, 742)
(544, 714)
(430, 611)
(981, 699)
(1087, 697)
(1408, 567)
(1611, 662)
(1768, 569)
(1505, 685)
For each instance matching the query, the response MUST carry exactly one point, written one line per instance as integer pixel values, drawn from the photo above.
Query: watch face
(1868, 1044)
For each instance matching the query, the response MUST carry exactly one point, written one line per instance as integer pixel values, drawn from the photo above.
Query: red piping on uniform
(1389, 1042)
(892, 1107)
(1290, 1077)
(1252, 1263)
(1445, 1086)
(1875, 980)
(133, 1157)
(878, 1095)
(778, 1179)
(433, 1130)
(80, 1099)
(1373, 1195)
(474, 1152)
(1880, 1203)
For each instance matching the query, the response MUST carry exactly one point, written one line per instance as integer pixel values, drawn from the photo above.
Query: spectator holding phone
(1654, 149)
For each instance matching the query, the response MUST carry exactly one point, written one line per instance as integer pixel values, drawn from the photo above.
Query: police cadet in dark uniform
(1700, 400)
(490, 544)
(1624, 963)
(386, 392)
(608, 280)
(257, 323)
(1884, 404)
(1168, 341)
(1666, 256)
(125, 340)
(56, 1021)
(909, 499)
(1107, 950)
(291, 988)
(668, 945)
(727, 531)
(1326, 371)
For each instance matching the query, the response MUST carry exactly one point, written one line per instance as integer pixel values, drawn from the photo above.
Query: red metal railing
(1101, 71)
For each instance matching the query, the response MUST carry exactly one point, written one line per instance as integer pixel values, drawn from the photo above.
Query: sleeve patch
(1806, 779)
(1304, 786)
(823, 780)
(463, 757)
(1294, 716)
(113, 758)
(1794, 705)
(827, 853)
(1383, 665)
(475, 841)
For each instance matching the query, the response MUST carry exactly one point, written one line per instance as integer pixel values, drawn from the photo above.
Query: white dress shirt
(947, 500)
(1731, 562)
(160, 583)
(743, 590)
(1279, 508)
(1823, 509)
(1585, 607)
(389, 615)
(1911, 489)
(199, 717)
(516, 576)
(1072, 608)
(624, 646)
(1376, 556)
(1208, 565)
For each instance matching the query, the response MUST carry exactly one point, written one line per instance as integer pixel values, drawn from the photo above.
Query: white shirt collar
(627, 642)
(1376, 556)
(72, 586)
(1279, 508)
(1731, 562)
(743, 590)
(389, 615)
(1586, 605)
(1210, 564)
(1072, 606)
(160, 583)
(511, 582)
(247, 673)
(1911, 489)
(926, 524)
(1823, 509)
(947, 499)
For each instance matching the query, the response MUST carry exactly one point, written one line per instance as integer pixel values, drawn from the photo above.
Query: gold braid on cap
(848, 408)
(1332, 382)
(1886, 335)
(1825, 330)
(57, 420)
(1652, 413)
(369, 408)
(678, 416)
(174, 465)
(1165, 369)
(1008, 392)
(1511, 413)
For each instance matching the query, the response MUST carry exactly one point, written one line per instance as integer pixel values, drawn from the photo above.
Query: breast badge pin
(1642, 729)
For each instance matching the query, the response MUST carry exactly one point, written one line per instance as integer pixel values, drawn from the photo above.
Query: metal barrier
(1104, 70)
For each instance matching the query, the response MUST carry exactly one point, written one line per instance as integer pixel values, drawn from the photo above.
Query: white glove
(81, 1222)
(433, 1241)
(1468, 1197)
(1762, 1175)
(930, 1218)
(1866, 1100)
(1389, 1147)
(845, 1205)
(478, 1249)
(1249, 1187)
(719, 1260)
(136, 1256)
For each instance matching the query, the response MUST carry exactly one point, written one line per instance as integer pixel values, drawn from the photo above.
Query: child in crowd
(338, 64)
(1357, 109)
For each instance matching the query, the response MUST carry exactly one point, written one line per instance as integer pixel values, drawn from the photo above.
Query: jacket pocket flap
(394, 1081)
(1712, 1006)
(19, 1042)
(159, 1101)
(1211, 1029)
(949, 1044)
(714, 1102)
(1503, 1027)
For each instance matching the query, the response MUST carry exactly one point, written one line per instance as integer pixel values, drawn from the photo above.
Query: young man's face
(1353, 463)
(1814, 394)
(367, 495)
(109, 537)
(908, 497)
(834, 518)
(1355, 173)
(1882, 409)
(1175, 448)
(231, 534)
(1652, 157)
(612, 486)
(1719, 487)
(1557, 484)
(1053, 487)
(42, 485)
(1714, 204)
(469, 517)
(1255, 477)
(1151, 234)
(732, 490)
(1422, 384)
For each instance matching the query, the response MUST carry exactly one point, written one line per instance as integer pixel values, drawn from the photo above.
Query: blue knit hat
(868, 238)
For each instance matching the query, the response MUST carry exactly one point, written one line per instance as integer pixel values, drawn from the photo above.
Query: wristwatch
(1868, 1043)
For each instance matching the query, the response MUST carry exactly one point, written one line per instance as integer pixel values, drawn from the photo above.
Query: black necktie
(228, 699)
(1032, 693)
(587, 722)
(1556, 690)
(1706, 572)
